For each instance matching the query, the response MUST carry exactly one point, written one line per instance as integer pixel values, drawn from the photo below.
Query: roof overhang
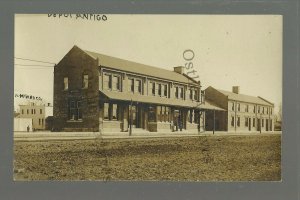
(120, 96)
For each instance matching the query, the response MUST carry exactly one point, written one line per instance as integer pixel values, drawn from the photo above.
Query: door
(258, 124)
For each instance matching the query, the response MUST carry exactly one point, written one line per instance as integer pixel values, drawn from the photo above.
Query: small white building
(23, 124)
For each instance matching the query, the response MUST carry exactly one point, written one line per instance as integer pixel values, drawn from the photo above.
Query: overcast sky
(243, 50)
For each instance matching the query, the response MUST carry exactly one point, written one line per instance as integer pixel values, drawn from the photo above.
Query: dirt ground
(205, 158)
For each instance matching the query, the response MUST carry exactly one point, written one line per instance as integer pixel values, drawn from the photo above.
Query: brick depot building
(95, 92)
(243, 112)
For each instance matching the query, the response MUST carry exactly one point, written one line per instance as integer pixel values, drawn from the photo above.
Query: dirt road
(219, 158)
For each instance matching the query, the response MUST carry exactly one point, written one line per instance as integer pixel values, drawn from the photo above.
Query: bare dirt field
(205, 158)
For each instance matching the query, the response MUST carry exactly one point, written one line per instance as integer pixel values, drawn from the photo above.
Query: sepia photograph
(136, 97)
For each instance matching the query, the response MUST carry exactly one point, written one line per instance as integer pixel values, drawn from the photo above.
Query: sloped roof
(158, 100)
(245, 98)
(133, 67)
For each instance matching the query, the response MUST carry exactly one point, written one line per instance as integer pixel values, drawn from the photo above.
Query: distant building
(37, 113)
(243, 112)
(95, 92)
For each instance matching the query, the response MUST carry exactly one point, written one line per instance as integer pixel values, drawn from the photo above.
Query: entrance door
(135, 113)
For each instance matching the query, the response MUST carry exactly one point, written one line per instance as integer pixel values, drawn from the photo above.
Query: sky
(229, 50)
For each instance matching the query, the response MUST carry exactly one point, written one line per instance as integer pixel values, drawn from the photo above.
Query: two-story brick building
(95, 92)
(243, 112)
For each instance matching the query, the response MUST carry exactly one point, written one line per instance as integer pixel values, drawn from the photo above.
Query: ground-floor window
(246, 121)
(111, 111)
(262, 122)
(238, 122)
(163, 113)
(232, 120)
(253, 122)
(75, 110)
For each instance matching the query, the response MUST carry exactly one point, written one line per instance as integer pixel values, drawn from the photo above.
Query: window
(238, 122)
(34, 111)
(191, 116)
(167, 114)
(116, 83)
(42, 122)
(85, 81)
(39, 121)
(191, 94)
(159, 114)
(153, 88)
(232, 106)
(271, 111)
(106, 111)
(27, 111)
(238, 107)
(254, 108)
(253, 122)
(130, 85)
(159, 89)
(196, 95)
(75, 112)
(181, 93)
(66, 83)
(31, 111)
(176, 92)
(114, 112)
(22, 111)
(258, 109)
(263, 110)
(232, 121)
(138, 86)
(262, 122)
(246, 121)
(247, 108)
(107, 81)
(165, 90)
(41, 111)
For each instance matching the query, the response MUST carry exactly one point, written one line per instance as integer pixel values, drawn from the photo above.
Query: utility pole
(130, 119)
(214, 122)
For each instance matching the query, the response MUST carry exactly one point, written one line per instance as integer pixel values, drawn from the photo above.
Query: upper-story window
(181, 93)
(191, 94)
(22, 111)
(130, 85)
(177, 92)
(258, 109)
(138, 86)
(263, 110)
(66, 83)
(267, 110)
(247, 108)
(41, 111)
(153, 88)
(85, 81)
(116, 83)
(165, 93)
(196, 95)
(107, 82)
(271, 111)
(254, 108)
(159, 89)
(232, 106)
(238, 106)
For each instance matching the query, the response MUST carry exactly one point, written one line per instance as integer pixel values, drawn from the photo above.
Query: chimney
(179, 69)
(236, 89)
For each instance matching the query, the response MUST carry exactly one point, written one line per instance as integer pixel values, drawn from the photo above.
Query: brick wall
(74, 65)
